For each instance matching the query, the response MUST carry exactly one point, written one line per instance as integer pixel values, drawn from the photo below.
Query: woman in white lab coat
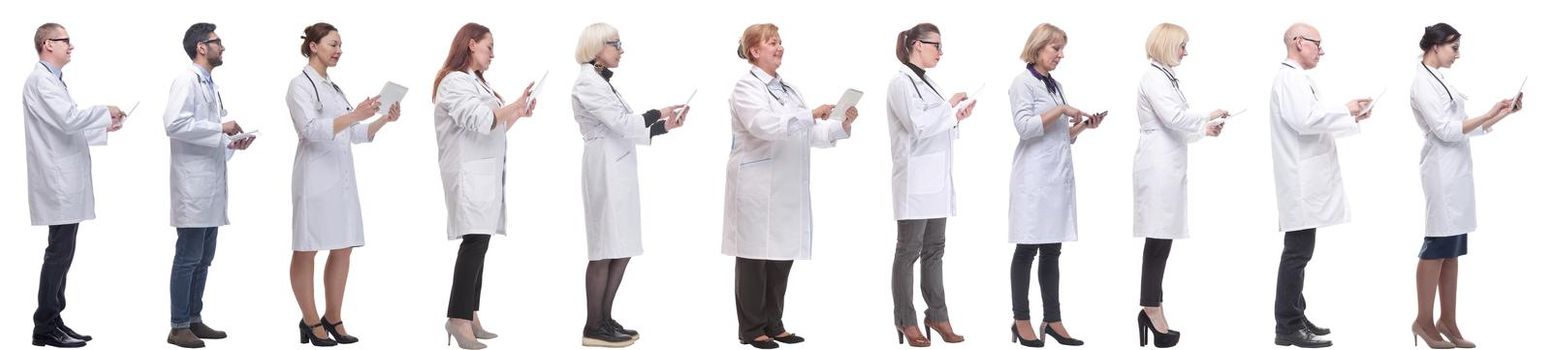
(1168, 126)
(1447, 181)
(471, 125)
(610, 189)
(325, 204)
(1043, 209)
(767, 222)
(922, 128)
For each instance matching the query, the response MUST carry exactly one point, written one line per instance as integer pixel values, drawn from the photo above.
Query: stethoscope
(1440, 82)
(621, 99)
(784, 89)
(1172, 81)
(1050, 84)
(918, 87)
(319, 97)
(219, 102)
(1311, 86)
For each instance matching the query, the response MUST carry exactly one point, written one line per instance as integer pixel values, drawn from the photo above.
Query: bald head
(1290, 38)
(1303, 44)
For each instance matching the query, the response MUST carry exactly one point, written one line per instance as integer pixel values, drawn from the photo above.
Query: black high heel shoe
(1033, 343)
(333, 330)
(315, 340)
(1160, 339)
(1059, 339)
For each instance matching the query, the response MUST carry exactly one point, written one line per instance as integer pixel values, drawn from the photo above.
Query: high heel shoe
(948, 336)
(1416, 332)
(916, 341)
(466, 343)
(1160, 339)
(1059, 338)
(1459, 342)
(1033, 343)
(333, 330)
(307, 335)
(481, 333)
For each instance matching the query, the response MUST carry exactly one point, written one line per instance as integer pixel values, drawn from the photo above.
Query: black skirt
(1444, 247)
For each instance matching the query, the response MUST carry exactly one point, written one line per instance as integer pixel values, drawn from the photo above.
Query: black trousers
(468, 276)
(1297, 249)
(1049, 279)
(1155, 255)
(51, 282)
(760, 290)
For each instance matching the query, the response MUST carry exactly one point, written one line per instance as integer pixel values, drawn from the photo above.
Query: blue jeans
(196, 248)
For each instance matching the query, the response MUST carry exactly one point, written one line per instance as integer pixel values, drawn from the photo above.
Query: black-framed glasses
(65, 40)
(216, 41)
(1316, 42)
(935, 44)
(618, 45)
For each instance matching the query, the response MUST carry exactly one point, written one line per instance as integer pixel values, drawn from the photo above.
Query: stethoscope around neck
(1440, 81)
(918, 87)
(319, 97)
(1172, 81)
(784, 89)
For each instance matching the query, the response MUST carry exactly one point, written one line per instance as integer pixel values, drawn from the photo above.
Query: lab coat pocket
(480, 189)
(1317, 179)
(753, 186)
(928, 173)
(71, 176)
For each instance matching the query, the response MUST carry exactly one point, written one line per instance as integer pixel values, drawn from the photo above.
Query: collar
(605, 73)
(1164, 67)
(1292, 63)
(58, 73)
(203, 74)
(307, 69)
(920, 72)
(767, 79)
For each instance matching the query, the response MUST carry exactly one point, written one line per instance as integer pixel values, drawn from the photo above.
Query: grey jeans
(923, 239)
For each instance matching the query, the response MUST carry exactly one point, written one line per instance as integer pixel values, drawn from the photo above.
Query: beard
(215, 61)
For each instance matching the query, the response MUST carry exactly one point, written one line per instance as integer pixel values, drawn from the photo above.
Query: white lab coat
(325, 204)
(1043, 206)
(199, 150)
(1448, 180)
(922, 128)
(59, 166)
(769, 211)
(1309, 192)
(472, 156)
(610, 187)
(1158, 182)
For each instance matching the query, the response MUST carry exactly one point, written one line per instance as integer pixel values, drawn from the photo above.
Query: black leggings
(1049, 280)
(1155, 255)
(468, 276)
(602, 283)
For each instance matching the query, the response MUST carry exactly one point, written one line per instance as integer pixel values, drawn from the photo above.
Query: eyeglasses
(618, 45)
(216, 41)
(935, 44)
(1316, 42)
(61, 40)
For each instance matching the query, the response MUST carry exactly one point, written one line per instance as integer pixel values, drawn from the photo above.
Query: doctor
(610, 189)
(325, 206)
(1447, 182)
(201, 145)
(768, 220)
(1168, 126)
(1308, 177)
(922, 129)
(1043, 209)
(59, 174)
(471, 125)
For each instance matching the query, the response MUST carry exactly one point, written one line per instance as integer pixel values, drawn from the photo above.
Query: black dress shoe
(333, 330)
(791, 338)
(617, 328)
(73, 334)
(1301, 338)
(761, 344)
(57, 339)
(1315, 329)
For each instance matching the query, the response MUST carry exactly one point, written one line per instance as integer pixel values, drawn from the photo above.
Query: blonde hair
(755, 35)
(1165, 43)
(592, 40)
(1042, 36)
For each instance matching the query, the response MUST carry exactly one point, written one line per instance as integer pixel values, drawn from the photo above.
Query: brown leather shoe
(184, 337)
(943, 329)
(204, 331)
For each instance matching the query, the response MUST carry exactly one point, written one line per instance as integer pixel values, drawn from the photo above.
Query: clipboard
(847, 100)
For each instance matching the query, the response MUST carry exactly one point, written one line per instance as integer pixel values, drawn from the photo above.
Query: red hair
(459, 56)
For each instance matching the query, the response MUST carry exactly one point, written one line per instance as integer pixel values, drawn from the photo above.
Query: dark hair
(1438, 34)
(41, 36)
(910, 36)
(459, 55)
(314, 34)
(195, 35)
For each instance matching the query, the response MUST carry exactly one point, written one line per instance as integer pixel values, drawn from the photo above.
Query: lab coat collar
(765, 78)
(307, 69)
(1294, 64)
(1165, 67)
(204, 75)
(58, 73)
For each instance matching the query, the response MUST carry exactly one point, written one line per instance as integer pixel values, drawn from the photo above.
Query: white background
(1220, 283)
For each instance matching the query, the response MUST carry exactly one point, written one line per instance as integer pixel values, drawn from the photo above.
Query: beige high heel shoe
(1416, 332)
(465, 343)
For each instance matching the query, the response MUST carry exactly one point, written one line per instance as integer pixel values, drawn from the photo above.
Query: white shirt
(922, 129)
(325, 203)
(1043, 206)
(471, 155)
(1309, 192)
(199, 150)
(1158, 181)
(59, 165)
(769, 212)
(1448, 180)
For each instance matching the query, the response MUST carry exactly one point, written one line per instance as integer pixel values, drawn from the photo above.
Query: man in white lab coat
(1308, 177)
(201, 144)
(59, 174)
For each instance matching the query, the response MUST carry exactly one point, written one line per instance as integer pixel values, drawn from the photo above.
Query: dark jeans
(1049, 280)
(760, 290)
(190, 266)
(51, 282)
(1297, 249)
(468, 277)
(1155, 256)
